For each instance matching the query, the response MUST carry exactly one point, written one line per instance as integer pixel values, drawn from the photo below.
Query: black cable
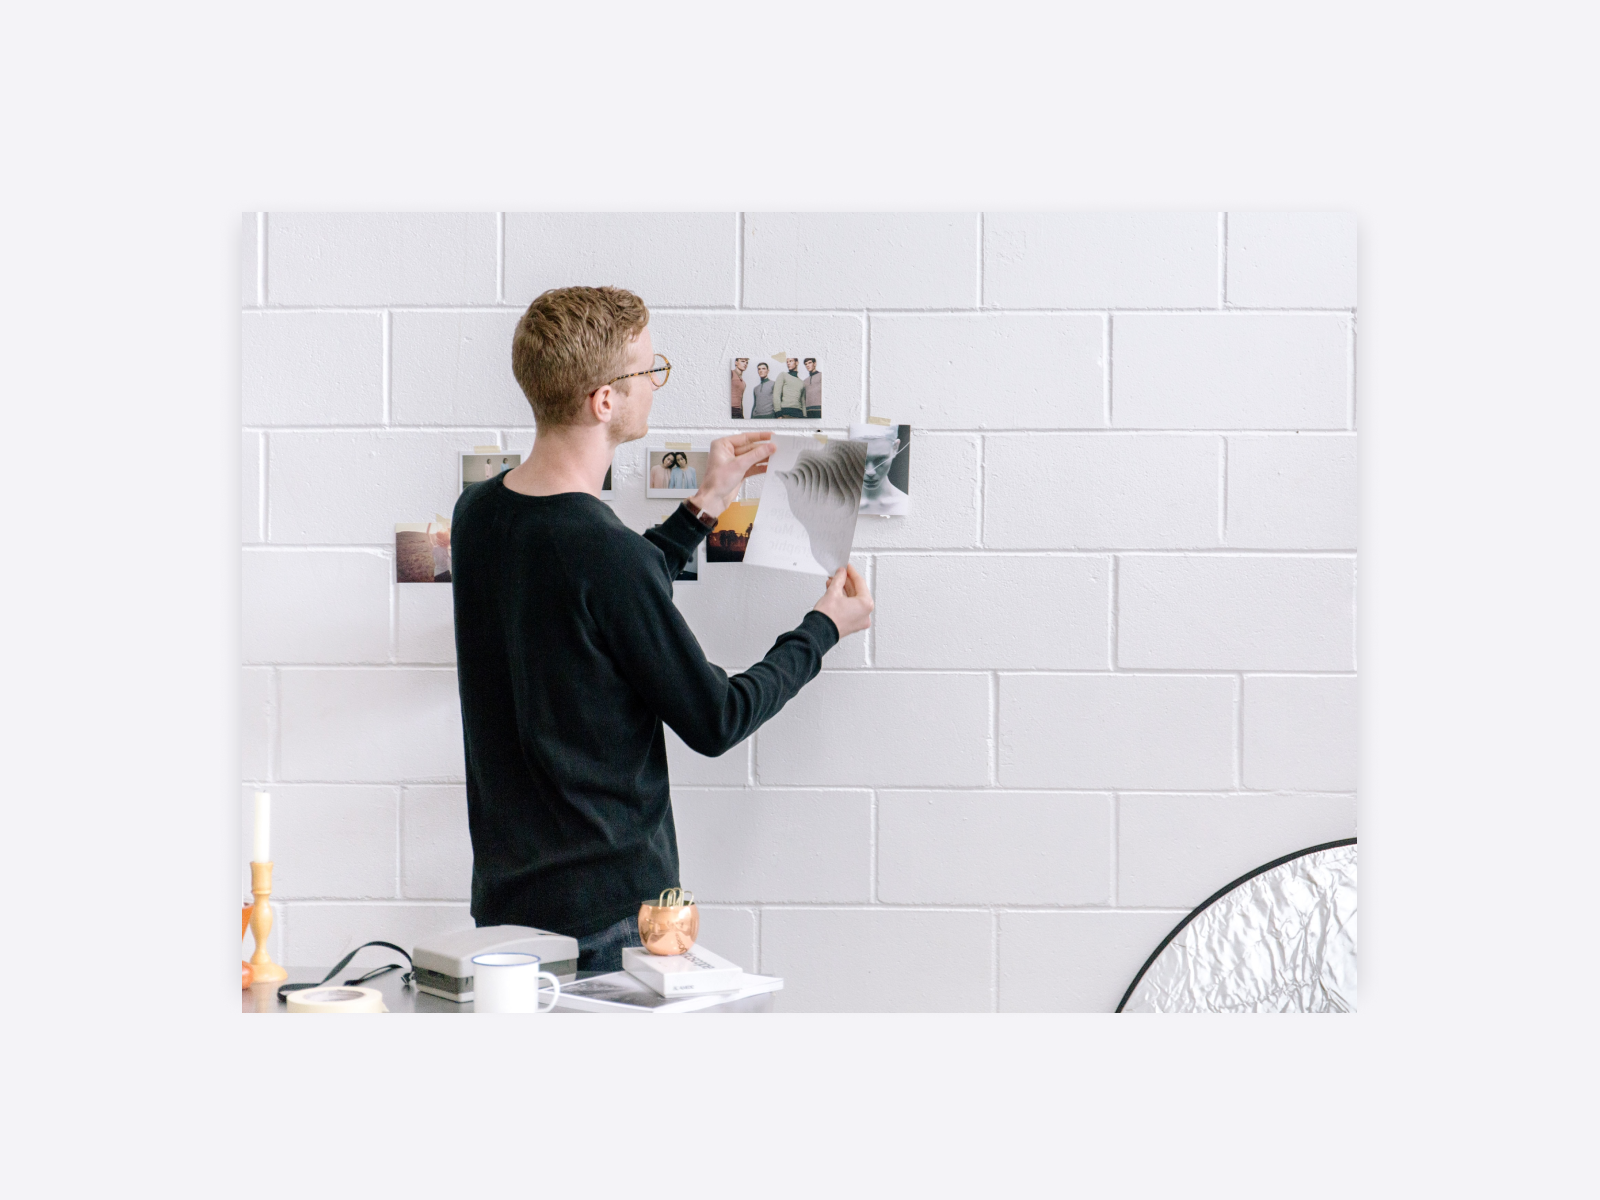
(345, 961)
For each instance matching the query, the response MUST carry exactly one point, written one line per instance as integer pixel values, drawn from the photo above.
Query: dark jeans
(603, 951)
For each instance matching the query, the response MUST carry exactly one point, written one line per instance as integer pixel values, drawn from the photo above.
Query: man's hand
(847, 602)
(732, 459)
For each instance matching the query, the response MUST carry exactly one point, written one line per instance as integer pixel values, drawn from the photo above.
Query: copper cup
(671, 924)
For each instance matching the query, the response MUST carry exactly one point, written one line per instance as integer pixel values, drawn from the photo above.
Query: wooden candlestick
(266, 971)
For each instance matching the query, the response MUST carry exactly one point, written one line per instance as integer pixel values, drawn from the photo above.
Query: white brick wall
(990, 372)
(1113, 663)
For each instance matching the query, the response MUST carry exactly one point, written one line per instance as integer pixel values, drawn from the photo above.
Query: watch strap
(700, 515)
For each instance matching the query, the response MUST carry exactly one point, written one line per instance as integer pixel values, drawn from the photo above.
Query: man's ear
(603, 403)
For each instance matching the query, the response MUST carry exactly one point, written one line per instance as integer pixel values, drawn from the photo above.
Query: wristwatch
(704, 518)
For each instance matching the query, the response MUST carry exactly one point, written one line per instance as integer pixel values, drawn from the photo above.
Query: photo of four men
(791, 390)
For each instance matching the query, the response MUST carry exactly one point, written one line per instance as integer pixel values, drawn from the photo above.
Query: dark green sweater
(570, 654)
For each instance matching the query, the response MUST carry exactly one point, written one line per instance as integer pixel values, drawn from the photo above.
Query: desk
(263, 997)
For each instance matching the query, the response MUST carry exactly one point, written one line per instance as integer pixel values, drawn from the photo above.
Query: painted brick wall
(1114, 658)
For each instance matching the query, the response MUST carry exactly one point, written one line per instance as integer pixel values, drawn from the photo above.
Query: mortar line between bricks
(261, 260)
(738, 259)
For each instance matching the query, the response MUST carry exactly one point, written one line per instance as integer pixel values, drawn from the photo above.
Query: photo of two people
(676, 471)
(781, 386)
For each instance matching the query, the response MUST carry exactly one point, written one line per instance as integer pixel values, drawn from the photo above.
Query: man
(811, 393)
(788, 396)
(570, 653)
(739, 365)
(763, 393)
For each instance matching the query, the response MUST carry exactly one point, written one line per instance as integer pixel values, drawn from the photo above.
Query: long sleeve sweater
(570, 654)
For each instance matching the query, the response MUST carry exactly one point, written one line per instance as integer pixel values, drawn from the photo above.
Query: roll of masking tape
(337, 1000)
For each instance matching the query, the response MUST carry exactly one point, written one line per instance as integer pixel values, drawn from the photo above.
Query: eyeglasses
(659, 374)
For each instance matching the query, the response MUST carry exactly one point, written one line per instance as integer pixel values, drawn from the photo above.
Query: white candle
(262, 845)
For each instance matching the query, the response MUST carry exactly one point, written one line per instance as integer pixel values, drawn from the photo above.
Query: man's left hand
(732, 460)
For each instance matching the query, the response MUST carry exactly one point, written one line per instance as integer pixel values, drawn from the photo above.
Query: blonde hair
(571, 341)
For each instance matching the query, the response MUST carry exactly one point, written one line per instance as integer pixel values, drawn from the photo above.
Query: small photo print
(476, 467)
(422, 551)
(676, 473)
(727, 541)
(886, 488)
(776, 386)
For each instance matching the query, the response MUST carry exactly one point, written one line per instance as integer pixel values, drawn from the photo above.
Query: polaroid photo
(675, 470)
(778, 386)
(422, 551)
(484, 462)
(886, 488)
(726, 542)
(809, 505)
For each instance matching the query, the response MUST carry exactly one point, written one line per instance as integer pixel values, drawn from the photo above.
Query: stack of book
(661, 983)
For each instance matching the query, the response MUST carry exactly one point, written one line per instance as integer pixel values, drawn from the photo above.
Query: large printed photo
(781, 386)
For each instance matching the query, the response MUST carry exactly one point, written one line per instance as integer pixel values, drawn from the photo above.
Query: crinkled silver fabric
(1284, 941)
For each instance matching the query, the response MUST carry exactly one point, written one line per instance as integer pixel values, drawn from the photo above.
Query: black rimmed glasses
(659, 373)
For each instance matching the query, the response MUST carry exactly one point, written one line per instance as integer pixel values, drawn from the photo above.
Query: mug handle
(555, 985)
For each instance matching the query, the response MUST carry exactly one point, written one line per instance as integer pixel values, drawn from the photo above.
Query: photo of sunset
(732, 532)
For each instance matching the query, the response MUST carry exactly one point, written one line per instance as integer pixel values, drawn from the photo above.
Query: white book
(692, 973)
(620, 992)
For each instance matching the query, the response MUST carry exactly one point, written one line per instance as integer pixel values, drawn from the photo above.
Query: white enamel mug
(509, 983)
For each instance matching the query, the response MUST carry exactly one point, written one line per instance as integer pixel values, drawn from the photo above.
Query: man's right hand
(731, 460)
(847, 602)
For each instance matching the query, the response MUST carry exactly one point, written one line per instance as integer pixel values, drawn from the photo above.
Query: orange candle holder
(262, 967)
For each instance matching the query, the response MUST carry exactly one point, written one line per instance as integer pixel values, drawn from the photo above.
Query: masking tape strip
(486, 449)
(877, 420)
(337, 1000)
(677, 445)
